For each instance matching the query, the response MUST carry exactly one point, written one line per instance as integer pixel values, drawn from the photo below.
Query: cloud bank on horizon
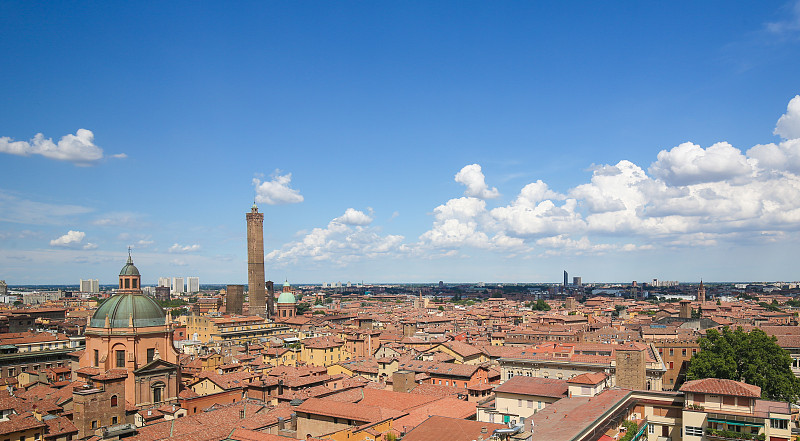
(689, 196)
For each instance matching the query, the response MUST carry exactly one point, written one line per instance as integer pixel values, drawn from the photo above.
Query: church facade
(129, 336)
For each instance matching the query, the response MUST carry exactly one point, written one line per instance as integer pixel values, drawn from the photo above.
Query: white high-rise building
(192, 284)
(177, 285)
(90, 285)
(164, 281)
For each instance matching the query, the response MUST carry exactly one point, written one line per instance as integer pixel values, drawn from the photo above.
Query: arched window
(113, 401)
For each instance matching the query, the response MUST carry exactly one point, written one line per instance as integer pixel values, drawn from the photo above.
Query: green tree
(770, 306)
(752, 357)
(302, 307)
(540, 305)
(179, 312)
(630, 430)
(172, 303)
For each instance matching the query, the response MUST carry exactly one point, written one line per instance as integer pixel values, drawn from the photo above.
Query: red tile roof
(17, 423)
(394, 400)
(437, 428)
(588, 378)
(719, 386)
(445, 407)
(567, 418)
(352, 411)
(544, 387)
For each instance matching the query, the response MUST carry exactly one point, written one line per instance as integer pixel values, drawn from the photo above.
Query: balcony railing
(717, 434)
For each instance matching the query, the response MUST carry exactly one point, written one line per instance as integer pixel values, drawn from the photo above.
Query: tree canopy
(302, 307)
(540, 305)
(752, 357)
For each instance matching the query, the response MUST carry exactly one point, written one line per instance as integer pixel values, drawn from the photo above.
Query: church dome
(286, 297)
(129, 269)
(120, 308)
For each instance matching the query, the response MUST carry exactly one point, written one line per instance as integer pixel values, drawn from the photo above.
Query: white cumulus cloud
(79, 148)
(784, 156)
(339, 243)
(788, 126)
(71, 239)
(457, 223)
(688, 195)
(352, 216)
(277, 191)
(178, 248)
(691, 164)
(472, 177)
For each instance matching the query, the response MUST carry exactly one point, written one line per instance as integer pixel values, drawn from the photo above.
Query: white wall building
(37, 297)
(177, 285)
(164, 281)
(90, 285)
(192, 284)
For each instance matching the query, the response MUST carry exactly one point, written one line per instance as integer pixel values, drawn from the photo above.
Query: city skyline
(455, 141)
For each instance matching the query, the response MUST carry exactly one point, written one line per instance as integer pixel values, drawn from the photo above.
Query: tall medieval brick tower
(255, 262)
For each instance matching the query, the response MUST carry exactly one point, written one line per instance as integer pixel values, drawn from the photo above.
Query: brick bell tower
(255, 262)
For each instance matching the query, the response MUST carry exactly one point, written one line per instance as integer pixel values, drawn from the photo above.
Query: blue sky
(401, 141)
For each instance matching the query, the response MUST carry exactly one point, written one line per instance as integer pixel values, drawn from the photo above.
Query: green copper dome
(120, 308)
(286, 297)
(129, 269)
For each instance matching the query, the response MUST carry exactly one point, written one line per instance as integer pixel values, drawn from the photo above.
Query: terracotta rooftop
(394, 400)
(112, 374)
(565, 419)
(352, 411)
(252, 435)
(544, 387)
(437, 428)
(720, 386)
(591, 378)
(18, 423)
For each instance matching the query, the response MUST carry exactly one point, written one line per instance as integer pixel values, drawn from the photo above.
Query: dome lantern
(129, 278)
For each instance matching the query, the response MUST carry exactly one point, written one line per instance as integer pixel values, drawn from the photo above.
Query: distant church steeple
(701, 292)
